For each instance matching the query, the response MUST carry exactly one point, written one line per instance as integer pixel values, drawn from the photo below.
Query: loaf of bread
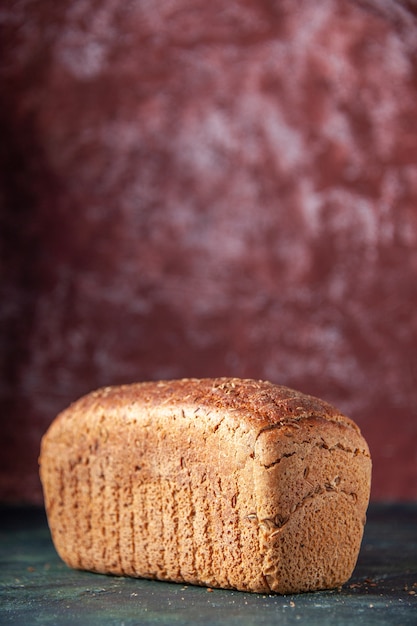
(222, 482)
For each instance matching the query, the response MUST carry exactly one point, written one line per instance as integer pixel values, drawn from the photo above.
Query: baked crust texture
(223, 482)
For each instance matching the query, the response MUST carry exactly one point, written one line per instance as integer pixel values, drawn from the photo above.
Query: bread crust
(221, 482)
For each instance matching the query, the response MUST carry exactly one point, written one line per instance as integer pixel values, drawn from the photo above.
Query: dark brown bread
(221, 482)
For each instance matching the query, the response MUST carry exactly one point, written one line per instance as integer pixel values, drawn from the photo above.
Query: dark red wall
(195, 188)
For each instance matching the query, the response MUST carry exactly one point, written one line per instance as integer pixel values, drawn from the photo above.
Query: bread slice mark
(337, 470)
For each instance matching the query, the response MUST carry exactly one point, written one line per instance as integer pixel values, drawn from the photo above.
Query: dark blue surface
(37, 588)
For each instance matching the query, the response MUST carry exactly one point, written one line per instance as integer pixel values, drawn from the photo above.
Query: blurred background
(193, 188)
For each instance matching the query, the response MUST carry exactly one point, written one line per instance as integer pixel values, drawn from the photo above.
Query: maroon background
(193, 188)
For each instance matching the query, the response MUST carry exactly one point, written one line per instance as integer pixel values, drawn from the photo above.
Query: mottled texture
(220, 482)
(196, 188)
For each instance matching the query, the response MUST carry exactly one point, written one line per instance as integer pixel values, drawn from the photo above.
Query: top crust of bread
(260, 403)
(249, 485)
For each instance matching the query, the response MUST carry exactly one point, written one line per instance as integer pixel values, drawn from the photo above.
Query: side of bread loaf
(221, 482)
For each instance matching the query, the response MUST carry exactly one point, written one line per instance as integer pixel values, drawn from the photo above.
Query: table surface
(37, 588)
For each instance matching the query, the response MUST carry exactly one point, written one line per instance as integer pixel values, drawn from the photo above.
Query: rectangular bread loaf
(230, 483)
